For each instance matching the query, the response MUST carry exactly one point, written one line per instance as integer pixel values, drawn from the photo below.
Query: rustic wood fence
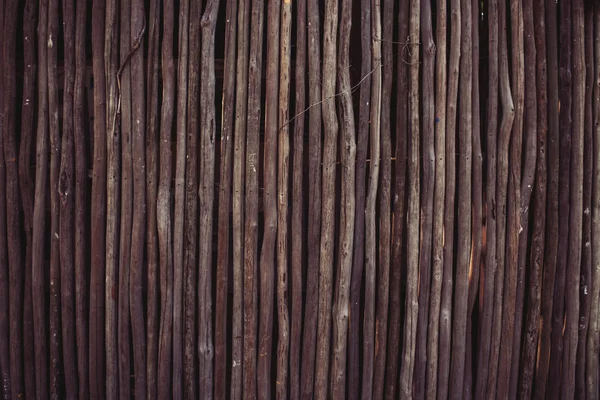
(304, 199)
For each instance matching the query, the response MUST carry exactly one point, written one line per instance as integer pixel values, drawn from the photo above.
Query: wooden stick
(446, 304)
(438, 202)
(13, 234)
(370, 218)
(565, 124)
(532, 324)
(358, 253)
(412, 218)
(163, 206)
(206, 195)
(428, 154)
(225, 203)
(113, 156)
(571, 330)
(138, 231)
(483, 357)
(81, 269)
(184, 271)
(251, 212)
(586, 250)
(124, 335)
(314, 200)
(399, 204)
(283, 167)
(65, 191)
(152, 162)
(297, 227)
(190, 222)
(239, 154)
(550, 252)
(504, 134)
(347, 213)
(26, 178)
(527, 184)
(55, 150)
(326, 248)
(267, 252)
(593, 338)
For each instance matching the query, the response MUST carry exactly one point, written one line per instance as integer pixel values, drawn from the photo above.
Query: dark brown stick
(297, 249)
(593, 338)
(239, 154)
(438, 202)
(13, 234)
(358, 253)
(283, 167)
(412, 218)
(427, 194)
(251, 212)
(572, 322)
(532, 324)
(184, 291)
(552, 234)
(163, 206)
(586, 250)
(124, 77)
(371, 202)
(190, 222)
(113, 181)
(81, 266)
(152, 145)
(347, 213)
(450, 195)
(26, 178)
(565, 124)
(225, 203)
(65, 191)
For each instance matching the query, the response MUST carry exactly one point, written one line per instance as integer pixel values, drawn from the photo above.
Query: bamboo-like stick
(504, 134)
(593, 338)
(358, 252)
(152, 162)
(297, 235)
(163, 205)
(55, 147)
(184, 271)
(13, 234)
(347, 213)
(427, 194)
(113, 183)
(239, 155)
(433, 328)
(251, 211)
(552, 234)
(65, 191)
(225, 203)
(283, 168)
(371, 202)
(330, 131)
(412, 218)
(314, 200)
(206, 202)
(399, 204)
(532, 322)
(124, 334)
(572, 301)
(445, 341)
(565, 129)
(190, 220)
(26, 178)
(81, 266)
